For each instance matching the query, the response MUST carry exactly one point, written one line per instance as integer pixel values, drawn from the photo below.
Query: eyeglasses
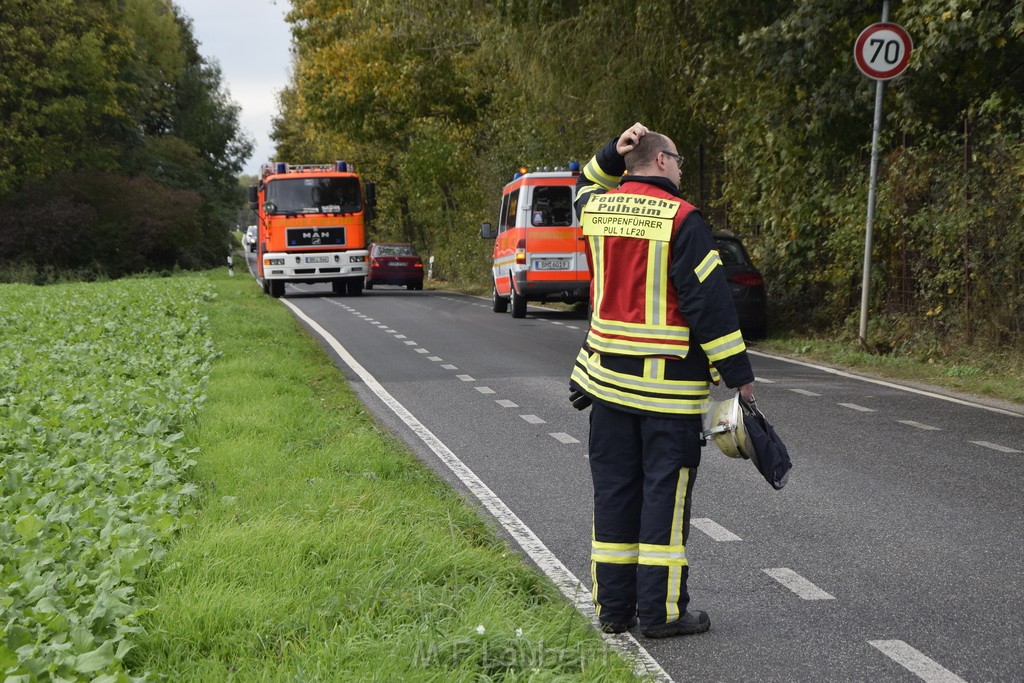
(677, 157)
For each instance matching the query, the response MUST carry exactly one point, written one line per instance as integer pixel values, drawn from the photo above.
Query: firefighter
(663, 327)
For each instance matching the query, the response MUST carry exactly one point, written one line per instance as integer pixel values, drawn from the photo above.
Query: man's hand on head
(630, 137)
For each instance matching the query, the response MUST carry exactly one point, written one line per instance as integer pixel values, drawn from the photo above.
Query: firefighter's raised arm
(603, 171)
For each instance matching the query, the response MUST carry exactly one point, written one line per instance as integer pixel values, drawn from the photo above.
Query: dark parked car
(394, 263)
(746, 285)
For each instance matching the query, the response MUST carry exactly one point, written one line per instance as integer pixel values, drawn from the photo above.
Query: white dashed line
(764, 380)
(485, 390)
(571, 327)
(390, 331)
(410, 343)
(555, 322)
(421, 351)
(436, 359)
(803, 392)
(919, 425)
(400, 336)
(533, 419)
(505, 403)
(564, 438)
(798, 584)
(450, 367)
(996, 447)
(713, 529)
(466, 378)
(916, 662)
(854, 406)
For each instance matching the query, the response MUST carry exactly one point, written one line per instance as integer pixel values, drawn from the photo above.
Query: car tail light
(747, 279)
(374, 263)
(418, 264)
(521, 251)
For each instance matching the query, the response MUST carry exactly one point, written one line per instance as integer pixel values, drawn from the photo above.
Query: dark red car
(394, 263)
(746, 285)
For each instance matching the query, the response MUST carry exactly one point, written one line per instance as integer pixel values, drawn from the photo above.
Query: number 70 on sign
(882, 50)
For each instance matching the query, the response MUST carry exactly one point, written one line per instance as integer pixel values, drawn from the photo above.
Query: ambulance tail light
(521, 252)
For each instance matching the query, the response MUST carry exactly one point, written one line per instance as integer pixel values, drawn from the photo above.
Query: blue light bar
(342, 166)
(574, 165)
(281, 167)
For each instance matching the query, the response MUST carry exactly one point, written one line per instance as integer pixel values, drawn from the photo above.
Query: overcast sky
(250, 40)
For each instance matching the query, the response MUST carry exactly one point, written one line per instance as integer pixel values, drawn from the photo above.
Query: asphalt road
(893, 553)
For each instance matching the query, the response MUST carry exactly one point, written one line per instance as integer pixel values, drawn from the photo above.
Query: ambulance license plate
(551, 264)
(318, 259)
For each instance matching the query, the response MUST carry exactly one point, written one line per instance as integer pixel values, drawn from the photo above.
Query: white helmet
(727, 430)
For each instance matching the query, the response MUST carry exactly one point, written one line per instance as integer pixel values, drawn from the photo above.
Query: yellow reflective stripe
(585, 190)
(593, 172)
(614, 553)
(649, 383)
(723, 347)
(657, 275)
(677, 397)
(663, 555)
(621, 327)
(676, 540)
(597, 277)
(710, 262)
(654, 368)
(716, 376)
(629, 347)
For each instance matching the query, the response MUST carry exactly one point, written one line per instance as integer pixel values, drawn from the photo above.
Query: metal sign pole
(872, 189)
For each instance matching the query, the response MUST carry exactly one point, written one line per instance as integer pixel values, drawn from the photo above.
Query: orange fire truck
(311, 226)
(539, 252)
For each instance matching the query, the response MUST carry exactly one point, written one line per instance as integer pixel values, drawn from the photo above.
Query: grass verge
(323, 550)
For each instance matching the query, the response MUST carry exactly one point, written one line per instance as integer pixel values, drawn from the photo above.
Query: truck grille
(316, 237)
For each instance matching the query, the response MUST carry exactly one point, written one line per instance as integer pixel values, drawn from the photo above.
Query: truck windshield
(314, 195)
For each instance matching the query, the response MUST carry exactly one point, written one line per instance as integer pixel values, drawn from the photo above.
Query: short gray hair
(646, 150)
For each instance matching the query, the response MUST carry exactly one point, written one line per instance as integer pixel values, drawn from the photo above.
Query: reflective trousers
(643, 468)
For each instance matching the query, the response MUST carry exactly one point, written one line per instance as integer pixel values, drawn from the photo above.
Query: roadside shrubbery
(96, 384)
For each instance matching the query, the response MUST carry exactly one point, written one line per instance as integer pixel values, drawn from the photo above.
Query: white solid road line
(798, 584)
(713, 529)
(925, 668)
(565, 580)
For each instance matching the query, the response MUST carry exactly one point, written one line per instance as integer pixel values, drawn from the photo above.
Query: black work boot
(617, 626)
(686, 625)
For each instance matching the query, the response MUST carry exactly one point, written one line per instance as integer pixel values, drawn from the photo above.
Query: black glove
(579, 400)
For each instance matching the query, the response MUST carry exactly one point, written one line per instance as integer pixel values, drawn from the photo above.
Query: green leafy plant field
(279, 533)
(96, 384)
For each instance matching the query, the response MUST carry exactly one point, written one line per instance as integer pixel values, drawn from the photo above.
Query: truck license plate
(318, 259)
(551, 264)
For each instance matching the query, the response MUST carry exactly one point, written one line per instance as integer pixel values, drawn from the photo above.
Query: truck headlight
(273, 261)
(357, 259)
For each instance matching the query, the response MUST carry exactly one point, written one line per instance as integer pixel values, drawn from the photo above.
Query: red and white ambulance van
(539, 252)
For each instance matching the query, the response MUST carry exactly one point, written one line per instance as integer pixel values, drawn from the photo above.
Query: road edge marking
(566, 582)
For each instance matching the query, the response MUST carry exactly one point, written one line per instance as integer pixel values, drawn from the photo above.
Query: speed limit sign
(882, 50)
